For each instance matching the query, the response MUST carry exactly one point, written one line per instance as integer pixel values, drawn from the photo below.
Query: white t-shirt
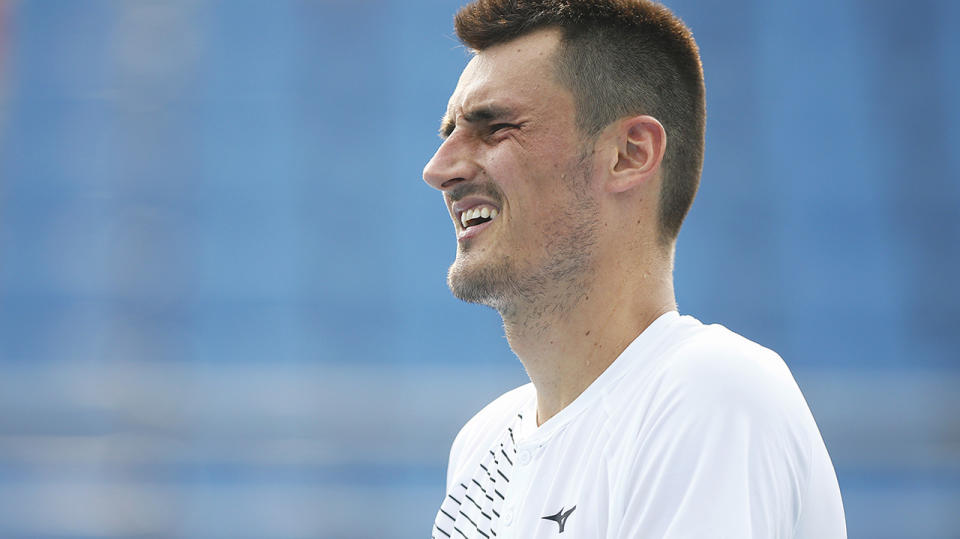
(693, 432)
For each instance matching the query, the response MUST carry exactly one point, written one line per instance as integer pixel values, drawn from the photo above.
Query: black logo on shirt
(561, 517)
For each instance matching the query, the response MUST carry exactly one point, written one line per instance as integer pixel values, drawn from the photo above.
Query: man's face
(516, 178)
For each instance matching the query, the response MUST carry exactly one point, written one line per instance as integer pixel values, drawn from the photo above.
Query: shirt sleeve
(724, 452)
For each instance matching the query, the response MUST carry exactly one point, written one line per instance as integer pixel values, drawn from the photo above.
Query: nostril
(451, 183)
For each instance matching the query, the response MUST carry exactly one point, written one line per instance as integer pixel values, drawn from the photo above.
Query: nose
(450, 165)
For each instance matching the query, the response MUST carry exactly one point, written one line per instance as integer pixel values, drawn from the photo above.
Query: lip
(464, 234)
(465, 204)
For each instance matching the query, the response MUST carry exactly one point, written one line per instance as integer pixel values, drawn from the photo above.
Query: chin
(487, 284)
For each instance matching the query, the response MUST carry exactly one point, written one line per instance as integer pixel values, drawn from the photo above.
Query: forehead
(516, 73)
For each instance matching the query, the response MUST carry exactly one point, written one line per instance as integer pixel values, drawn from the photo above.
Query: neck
(567, 341)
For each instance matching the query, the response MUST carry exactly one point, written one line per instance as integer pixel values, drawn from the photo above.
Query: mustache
(488, 190)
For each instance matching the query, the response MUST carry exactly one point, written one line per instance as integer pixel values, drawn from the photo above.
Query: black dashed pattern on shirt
(471, 509)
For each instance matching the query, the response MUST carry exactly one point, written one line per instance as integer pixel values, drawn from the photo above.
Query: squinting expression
(515, 175)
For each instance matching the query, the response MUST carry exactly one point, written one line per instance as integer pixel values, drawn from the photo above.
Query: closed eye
(499, 127)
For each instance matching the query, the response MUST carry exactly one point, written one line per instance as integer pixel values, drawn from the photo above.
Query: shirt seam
(805, 490)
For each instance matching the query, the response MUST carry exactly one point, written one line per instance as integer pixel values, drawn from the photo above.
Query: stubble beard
(530, 298)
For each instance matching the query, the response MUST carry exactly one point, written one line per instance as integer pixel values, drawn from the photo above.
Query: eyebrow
(481, 115)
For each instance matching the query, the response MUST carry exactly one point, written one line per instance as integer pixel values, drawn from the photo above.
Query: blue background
(222, 299)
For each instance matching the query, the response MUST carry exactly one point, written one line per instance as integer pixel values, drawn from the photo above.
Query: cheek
(502, 162)
(536, 185)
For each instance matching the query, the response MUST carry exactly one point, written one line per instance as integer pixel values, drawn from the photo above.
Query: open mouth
(478, 215)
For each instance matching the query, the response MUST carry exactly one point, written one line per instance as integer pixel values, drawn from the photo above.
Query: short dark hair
(619, 58)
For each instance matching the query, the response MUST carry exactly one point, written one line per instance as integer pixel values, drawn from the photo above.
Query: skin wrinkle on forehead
(495, 95)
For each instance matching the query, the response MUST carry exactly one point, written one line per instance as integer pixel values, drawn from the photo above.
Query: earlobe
(641, 142)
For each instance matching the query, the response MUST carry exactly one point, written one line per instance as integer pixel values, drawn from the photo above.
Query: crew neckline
(531, 434)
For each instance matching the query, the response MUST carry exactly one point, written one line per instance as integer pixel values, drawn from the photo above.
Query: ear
(641, 142)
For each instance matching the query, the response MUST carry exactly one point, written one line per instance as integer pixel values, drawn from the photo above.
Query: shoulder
(490, 422)
(707, 374)
(725, 421)
(499, 412)
(714, 365)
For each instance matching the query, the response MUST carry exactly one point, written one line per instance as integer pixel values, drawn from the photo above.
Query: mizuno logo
(561, 517)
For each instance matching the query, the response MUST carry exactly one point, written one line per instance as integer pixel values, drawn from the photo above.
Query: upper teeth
(480, 211)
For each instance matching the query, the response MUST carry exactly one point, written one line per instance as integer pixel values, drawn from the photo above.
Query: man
(572, 151)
